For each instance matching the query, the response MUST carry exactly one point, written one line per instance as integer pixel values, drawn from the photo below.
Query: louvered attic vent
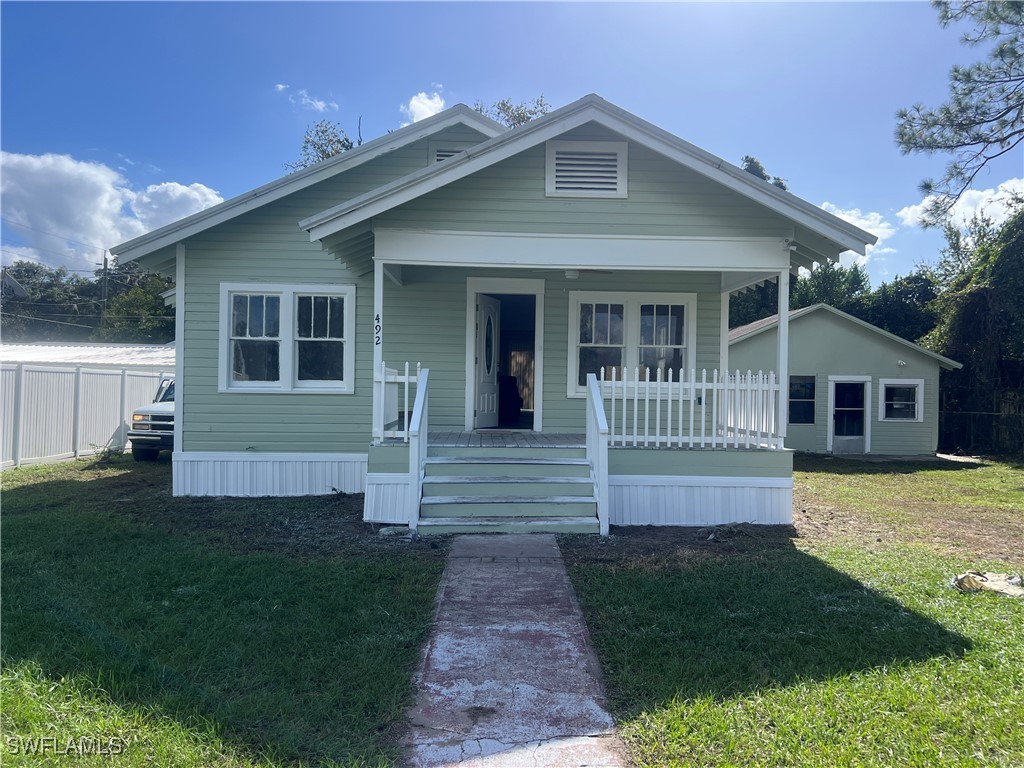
(442, 150)
(586, 169)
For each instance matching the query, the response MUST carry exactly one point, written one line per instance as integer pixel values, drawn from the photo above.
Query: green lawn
(203, 631)
(836, 642)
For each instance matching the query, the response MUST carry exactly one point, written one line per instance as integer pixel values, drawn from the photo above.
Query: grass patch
(204, 631)
(816, 645)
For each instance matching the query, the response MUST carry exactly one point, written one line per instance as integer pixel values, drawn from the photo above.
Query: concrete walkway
(508, 677)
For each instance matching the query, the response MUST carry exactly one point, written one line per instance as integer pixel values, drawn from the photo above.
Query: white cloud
(422, 106)
(67, 211)
(870, 221)
(303, 98)
(994, 203)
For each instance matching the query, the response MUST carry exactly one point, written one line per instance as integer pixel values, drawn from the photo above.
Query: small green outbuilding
(853, 387)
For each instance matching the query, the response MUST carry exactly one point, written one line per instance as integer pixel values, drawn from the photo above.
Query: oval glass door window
(489, 346)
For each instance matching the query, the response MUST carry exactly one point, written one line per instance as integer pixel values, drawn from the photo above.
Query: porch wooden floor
(506, 439)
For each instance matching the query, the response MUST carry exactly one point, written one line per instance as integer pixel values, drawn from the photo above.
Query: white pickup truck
(152, 428)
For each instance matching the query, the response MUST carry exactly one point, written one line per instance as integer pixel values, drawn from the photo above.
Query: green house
(488, 329)
(853, 387)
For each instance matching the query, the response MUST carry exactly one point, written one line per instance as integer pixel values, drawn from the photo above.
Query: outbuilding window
(901, 399)
(801, 399)
(285, 338)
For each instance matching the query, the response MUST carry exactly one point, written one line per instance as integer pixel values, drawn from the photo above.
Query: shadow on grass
(687, 621)
(290, 656)
(878, 465)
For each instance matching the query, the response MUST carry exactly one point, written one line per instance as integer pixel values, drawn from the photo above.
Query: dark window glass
(849, 423)
(337, 323)
(664, 359)
(849, 395)
(801, 399)
(593, 358)
(256, 317)
(239, 315)
(320, 304)
(304, 317)
(321, 361)
(272, 316)
(255, 360)
(900, 402)
(586, 323)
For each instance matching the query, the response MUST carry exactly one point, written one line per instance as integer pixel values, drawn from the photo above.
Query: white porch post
(378, 351)
(723, 349)
(783, 368)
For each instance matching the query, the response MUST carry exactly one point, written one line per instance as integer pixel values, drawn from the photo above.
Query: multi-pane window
(623, 333)
(601, 339)
(284, 338)
(320, 338)
(900, 399)
(801, 399)
(255, 337)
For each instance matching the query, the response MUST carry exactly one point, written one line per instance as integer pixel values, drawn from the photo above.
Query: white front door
(488, 315)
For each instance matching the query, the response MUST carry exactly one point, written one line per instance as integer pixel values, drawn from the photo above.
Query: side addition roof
(293, 182)
(759, 326)
(820, 235)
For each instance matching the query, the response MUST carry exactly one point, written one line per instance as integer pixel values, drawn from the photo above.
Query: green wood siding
(266, 245)
(664, 199)
(721, 462)
(822, 344)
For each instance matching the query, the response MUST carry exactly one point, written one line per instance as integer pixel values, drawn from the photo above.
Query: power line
(44, 320)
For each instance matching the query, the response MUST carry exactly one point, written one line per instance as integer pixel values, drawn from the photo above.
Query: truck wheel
(145, 454)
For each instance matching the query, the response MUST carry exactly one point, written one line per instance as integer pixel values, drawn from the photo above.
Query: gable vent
(442, 150)
(586, 169)
(444, 154)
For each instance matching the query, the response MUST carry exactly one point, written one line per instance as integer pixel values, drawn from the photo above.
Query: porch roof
(819, 235)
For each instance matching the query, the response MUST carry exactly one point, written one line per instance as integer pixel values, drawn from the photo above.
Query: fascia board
(590, 108)
(286, 185)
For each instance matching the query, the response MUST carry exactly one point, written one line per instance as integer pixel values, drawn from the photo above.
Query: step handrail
(418, 433)
(597, 448)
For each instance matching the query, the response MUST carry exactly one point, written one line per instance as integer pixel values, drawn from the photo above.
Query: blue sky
(120, 117)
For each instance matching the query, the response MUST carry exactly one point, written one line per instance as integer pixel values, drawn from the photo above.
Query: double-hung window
(801, 399)
(629, 332)
(900, 399)
(286, 338)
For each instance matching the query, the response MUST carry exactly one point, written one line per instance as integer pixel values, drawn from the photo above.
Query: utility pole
(103, 313)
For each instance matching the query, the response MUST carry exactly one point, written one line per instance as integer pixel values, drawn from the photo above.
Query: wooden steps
(495, 489)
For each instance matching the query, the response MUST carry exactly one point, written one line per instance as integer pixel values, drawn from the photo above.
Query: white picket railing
(732, 411)
(392, 389)
(417, 433)
(597, 448)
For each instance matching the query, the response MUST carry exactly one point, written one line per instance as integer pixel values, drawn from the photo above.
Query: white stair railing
(417, 432)
(390, 389)
(675, 411)
(597, 448)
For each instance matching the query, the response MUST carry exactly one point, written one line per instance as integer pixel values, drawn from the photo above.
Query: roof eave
(170, 234)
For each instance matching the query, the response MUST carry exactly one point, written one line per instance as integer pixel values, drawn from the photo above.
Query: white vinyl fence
(48, 413)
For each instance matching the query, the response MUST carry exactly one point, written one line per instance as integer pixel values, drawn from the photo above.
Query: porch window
(801, 399)
(285, 338)
(623, 332)
(900, 399)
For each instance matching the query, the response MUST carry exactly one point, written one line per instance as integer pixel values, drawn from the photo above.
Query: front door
(488, 315)
(849, 417)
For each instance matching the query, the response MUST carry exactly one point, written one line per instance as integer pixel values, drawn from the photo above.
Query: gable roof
(177, 231)
(758, 326)
(829, 235)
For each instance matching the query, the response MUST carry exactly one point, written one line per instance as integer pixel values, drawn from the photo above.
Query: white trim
(522, 286)
(782, 364)
(631, 328)
(179, 346)
(559, 251)
(619, 148)
(830, 415)
(388, 498)
(699, 500)
(917, 383)
(723, 340)
(173, 233)
(242, 473)
(590, 108)
(288, 360)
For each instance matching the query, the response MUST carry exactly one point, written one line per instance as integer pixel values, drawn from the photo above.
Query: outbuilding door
(850, 425)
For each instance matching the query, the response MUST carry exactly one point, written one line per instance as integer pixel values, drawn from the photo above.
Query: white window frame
(620, 148)
(288, 359)
(917, 383)
(631, 302)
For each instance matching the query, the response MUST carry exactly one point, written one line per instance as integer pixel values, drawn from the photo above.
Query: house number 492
(376, 331)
